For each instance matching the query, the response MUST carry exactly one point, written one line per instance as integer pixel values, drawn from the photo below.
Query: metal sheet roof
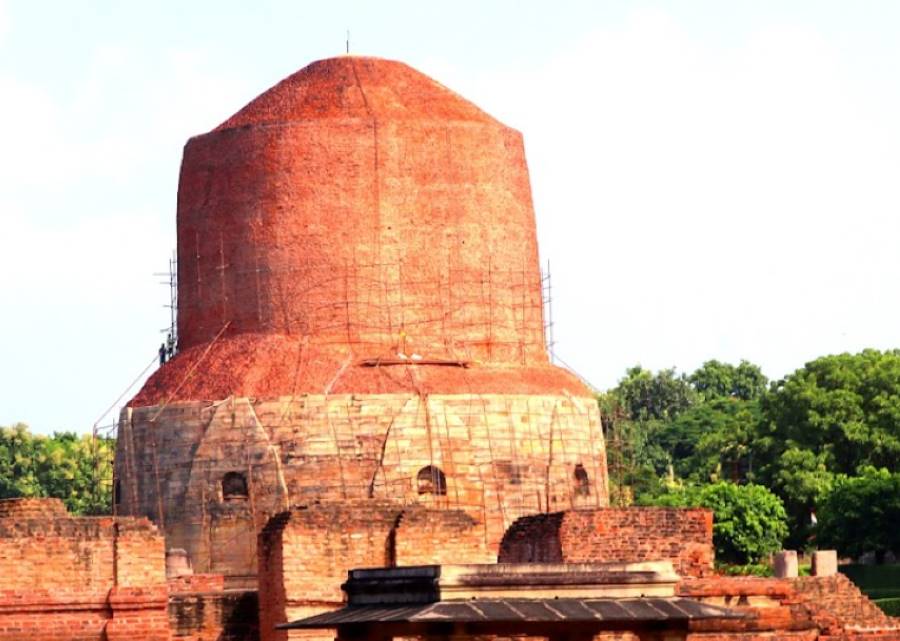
(647, 609)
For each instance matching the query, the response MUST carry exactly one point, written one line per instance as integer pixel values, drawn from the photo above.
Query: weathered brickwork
(355, 200)
(305, 553)
(839, 607)
(824, 608)
(360, 331)
(359, 308)
(499, 457)
(26, 509)
(426, 537)
(67, 579)
(201, 610)
(682, 536)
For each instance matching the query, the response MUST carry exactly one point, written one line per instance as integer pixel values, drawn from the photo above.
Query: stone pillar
(824, 563)
(786, 564)
(178, 563)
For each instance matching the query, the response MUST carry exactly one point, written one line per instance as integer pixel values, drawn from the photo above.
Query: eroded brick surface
(67, 579)
(359, 298)
(683, 536)
(501, 456)
(839, 606)
(825, 608)
(305, 553)
(214, 615)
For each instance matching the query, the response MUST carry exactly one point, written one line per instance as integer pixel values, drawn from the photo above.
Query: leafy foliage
(828, 419)
(646, 396)
(713, 440)
(833, 416)
(715, 379)
(700, 427)
(74, 468)
(749, 521)
(634, 415)
(862, 514)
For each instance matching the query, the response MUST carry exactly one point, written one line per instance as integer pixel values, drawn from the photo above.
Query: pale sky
(711, 179)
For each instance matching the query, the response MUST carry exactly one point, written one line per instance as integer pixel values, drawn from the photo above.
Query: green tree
(631, 458)
(703, 425)
(19, 452)
(714, 440)
(832, 416)
(634, 414)
(648, 396)
(749, 521)
(76, 469)
(862, 514)
(715, 379)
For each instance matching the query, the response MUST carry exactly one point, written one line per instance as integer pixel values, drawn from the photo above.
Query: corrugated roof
(649, 609)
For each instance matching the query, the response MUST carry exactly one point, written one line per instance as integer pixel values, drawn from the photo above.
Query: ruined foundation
(496, 457)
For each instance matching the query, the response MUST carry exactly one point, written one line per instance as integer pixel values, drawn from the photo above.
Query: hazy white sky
(712, 179)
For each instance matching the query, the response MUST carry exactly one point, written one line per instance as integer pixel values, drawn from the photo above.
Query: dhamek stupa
(359, 317)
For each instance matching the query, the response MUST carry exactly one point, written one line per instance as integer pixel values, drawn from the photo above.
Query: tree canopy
(749, 521)
(862, 513)
(833, 416)
(829, 419)
(715, 379)
(76, 469)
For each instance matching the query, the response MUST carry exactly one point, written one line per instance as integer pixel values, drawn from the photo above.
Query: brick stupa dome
(356, 210)
(359, 318)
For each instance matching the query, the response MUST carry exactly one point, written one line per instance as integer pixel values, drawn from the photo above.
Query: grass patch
(751, 569)
(878, 582)
(890, 607)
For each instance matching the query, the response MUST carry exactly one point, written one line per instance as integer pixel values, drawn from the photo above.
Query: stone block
(824, 563)
(178, 563)
(785, 564)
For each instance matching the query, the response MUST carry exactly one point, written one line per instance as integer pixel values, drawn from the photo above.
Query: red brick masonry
(305, 554)
(682, 536)
(74, 579)
(824, 608)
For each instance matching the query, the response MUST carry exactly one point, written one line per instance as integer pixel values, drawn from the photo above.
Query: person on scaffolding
(170, 345)
(162, 354)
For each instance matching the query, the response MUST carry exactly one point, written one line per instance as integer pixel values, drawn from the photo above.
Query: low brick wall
(682, 536)
(68, 579)
(305, 553)
(32, 509)
(823, 608)
(426, 537)
(840, 607)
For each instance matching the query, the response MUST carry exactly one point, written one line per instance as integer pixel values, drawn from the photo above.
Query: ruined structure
(359, 317)
(79, 578)
(107, 578)
(362, 380)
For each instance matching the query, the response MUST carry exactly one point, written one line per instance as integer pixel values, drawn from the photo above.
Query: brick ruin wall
(103, 578)
(79, 579)
(683, 536)
(497, 457)
(840, 608)
(200, 609)
(305, 553)
(802, 609)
